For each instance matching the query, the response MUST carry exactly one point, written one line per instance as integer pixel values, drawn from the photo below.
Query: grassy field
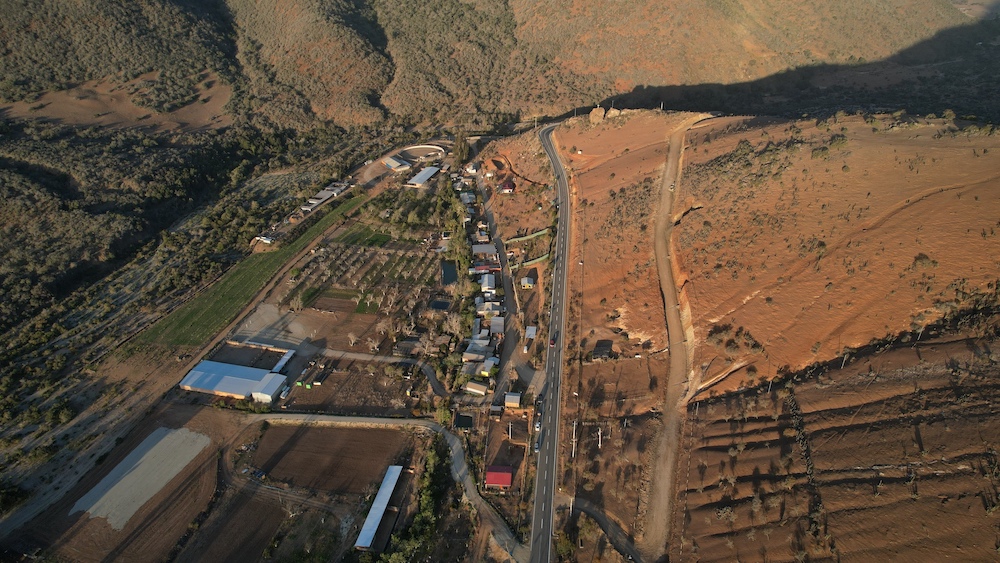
(363, 235)
(195, 322)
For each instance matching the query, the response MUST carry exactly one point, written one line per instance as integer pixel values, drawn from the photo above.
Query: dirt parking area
(335, 460)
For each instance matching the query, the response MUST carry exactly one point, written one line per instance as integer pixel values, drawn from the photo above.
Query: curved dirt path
(616, 535)
(656, 532)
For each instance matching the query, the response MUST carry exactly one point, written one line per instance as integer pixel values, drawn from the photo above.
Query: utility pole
(574, 440)
(510, 430)
(599, 437)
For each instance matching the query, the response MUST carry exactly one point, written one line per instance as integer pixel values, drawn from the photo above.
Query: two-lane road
(548, 450)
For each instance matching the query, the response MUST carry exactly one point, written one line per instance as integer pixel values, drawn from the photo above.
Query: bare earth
(108, 104)
(141, 475)
(820, 246)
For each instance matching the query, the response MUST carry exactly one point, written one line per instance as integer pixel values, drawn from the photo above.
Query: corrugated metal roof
(423, 176)
(381, 503)
(499, 476)
(223, 379)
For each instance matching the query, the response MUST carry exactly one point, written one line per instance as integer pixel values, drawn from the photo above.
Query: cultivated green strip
(198, 320)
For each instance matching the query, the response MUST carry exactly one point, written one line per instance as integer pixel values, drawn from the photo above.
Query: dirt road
(653, 542)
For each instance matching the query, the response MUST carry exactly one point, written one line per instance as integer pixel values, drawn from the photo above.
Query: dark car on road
(552, 341)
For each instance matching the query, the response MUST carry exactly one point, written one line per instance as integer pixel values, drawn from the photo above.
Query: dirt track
(657, 526)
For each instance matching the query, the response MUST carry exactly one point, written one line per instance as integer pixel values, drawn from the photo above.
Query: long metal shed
(367, 536)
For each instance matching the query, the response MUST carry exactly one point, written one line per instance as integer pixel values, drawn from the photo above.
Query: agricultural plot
(891, 458)
(357, 388)
(196, 321)
(334, 460)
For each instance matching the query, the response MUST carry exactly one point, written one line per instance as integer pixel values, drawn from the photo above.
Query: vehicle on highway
(538, 426)
(552, 341)
(538, 444)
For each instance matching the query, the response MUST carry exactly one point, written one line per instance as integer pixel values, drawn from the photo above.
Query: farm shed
(512, 400)
(422, 177)
(228, 380)
(499, 477)
(367, 536)
(474, 388)
(396, 164)
(530, 332)
(269, 388)
(527, 283)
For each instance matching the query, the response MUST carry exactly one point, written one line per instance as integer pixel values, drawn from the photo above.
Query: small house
(474, 388)
(512, 400)
(499, 477)
(527, 283)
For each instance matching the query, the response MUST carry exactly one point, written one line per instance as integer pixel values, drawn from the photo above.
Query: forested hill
(356, 62)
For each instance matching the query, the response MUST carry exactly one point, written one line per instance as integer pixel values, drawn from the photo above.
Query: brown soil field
(104, 103)
(155, 528)
(246, 522)
(891, 458)
(336, 460)
(799, 242)
(355, 388)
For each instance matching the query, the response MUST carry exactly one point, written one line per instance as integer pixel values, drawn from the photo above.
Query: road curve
(619, 539)
(459, 469)
(548, 451)
(656, 530)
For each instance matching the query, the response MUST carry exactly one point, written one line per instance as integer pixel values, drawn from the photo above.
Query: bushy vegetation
(52, 44)
(420, 540)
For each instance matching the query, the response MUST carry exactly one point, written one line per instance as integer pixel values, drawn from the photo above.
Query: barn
(229, 380)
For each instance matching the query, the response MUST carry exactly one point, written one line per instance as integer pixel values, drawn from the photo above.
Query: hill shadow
(957, 69)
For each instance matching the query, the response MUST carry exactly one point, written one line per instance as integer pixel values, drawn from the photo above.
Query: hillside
(302, 62)
(801, 242)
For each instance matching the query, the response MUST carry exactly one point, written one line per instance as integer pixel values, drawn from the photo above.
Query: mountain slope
(354, 62)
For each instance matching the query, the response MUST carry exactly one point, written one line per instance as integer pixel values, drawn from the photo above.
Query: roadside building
(487, 251)
(497, 327)
(527, 283)
(512, 400)
(499, 477)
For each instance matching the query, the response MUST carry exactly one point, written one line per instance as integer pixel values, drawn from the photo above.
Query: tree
(461, 149)
(352, 339)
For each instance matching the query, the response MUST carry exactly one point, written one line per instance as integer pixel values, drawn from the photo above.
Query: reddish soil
(336, 460)
(615, 183)
(152, 531)
(800, 241)
(892, 458)
(107, 104)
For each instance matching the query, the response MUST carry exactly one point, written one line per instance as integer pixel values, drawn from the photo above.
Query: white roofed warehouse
(423, 178)
(229, 380)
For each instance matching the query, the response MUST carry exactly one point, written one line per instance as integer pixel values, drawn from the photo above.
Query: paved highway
(548, 438)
